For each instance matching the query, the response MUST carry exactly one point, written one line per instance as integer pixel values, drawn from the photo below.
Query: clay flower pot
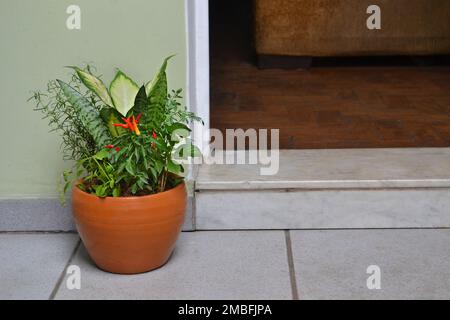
(130, 234)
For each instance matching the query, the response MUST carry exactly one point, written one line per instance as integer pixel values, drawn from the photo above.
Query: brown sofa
(338, 27)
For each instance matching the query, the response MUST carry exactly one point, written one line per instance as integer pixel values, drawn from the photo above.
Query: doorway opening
(350, 102)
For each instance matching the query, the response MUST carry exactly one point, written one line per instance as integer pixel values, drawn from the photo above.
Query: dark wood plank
(332, 105)
(283, 62)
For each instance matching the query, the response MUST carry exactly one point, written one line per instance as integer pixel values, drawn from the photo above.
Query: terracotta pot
(130, 234)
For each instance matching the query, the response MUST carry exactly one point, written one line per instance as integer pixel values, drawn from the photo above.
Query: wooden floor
(326, 106)
(363, 107)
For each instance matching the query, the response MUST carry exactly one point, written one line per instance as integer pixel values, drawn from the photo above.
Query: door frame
(198, 85)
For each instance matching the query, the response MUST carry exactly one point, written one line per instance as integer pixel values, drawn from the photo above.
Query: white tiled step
(336, 168)
(320, 189)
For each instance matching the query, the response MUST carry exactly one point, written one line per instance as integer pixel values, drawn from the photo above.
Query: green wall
(133, 35)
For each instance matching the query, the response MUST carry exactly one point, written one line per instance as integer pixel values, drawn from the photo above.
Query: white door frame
(197, 34)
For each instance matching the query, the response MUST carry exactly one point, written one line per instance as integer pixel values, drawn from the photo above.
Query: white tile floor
(219, 265)
(320, 264)
(31, 264)
(332, 264)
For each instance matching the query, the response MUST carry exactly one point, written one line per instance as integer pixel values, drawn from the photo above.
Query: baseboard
(48, 215)
(35, 215)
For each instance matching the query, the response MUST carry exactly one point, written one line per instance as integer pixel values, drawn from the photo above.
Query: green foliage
(88, 115)
(175, 112)
(160, 77)
(63, 118)
(111, 116)
(157, 98)
(94, 84)
(123, 91)
(127, 141)
(141, 102)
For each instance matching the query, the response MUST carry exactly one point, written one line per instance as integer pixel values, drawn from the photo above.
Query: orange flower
(131, 123)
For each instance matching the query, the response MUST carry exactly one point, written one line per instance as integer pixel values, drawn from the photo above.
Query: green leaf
(157, 98)
(144, 157)
(178, 131)
(159, 166)
(141, 102)
(185, 151)
(150, 86)
(87, 114)
(178, 126)
(102, 154)
(121, 167)
(66, 175)
(195, 151)
(129, 168)
(110, 116)
(81, 186)
(100, 190)
(174, 168)
(66, 186)
(154, 173)
(121, 177)
(180, 153)
(95, 85)
(123, 92)
(116, 192)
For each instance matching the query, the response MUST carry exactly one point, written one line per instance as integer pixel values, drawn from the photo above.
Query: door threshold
(336, 169)
(330, 188)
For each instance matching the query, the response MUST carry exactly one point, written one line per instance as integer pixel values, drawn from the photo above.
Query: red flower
(131, 123)
(111, 146)
(154, 137)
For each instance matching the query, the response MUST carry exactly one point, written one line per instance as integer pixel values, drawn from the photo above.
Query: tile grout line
(63, 273)
(290, 259)
(19, 232)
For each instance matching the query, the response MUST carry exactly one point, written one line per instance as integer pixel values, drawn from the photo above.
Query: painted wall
(133, 35)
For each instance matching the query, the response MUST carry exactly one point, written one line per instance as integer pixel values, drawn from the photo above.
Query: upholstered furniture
(338, 27)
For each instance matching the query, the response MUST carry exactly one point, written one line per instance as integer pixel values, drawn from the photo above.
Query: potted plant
(128, 143)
